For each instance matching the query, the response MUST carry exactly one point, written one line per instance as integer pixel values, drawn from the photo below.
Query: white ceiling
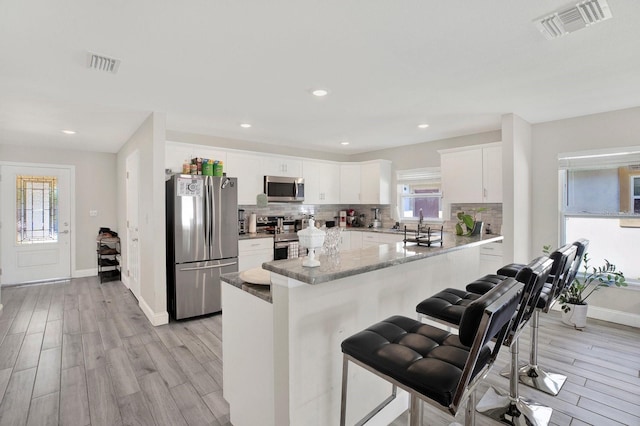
(389, 65)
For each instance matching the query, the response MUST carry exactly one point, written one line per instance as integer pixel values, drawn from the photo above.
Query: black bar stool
(567, 260)
(431, 364)
(445, 305)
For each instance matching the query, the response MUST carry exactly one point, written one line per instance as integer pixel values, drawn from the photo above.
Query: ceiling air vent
(573, 18)
(102, 63)
(634, 167)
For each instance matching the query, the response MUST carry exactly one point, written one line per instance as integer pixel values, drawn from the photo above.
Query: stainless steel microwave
(284, 189)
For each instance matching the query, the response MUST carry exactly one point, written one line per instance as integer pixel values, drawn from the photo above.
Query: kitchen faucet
(420, 221)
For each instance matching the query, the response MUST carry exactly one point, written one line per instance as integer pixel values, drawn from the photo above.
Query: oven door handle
(283, 244)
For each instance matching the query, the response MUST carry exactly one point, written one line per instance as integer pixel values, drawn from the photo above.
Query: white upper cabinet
(365, 183)
(472, 175)
(492, 174)
(349, 183)
(375, 182)
(321, 182)
(281, 166)
(462, 176)
(246, 167)
(176, 154)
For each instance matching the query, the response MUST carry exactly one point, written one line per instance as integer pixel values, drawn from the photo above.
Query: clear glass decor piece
(331, 244)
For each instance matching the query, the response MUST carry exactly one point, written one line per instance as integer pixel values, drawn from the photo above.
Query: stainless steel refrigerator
(202, 241)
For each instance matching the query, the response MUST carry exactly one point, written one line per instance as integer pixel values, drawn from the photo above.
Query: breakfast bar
(281, 342)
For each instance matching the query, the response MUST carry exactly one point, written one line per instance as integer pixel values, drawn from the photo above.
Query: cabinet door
(492, 174)
(312, 185)
(281, 166)
(355, 239)
(462, 176)
(254, 252)
(250, 181)
(329, 183)
(321, 182)
(375, 183)
(345, 240)
(370, 239)
(350, 183)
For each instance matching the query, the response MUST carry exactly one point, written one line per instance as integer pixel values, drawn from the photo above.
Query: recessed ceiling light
(69, 132)
(423, 126)
(245, 125)
(344, 143)
(320, 92)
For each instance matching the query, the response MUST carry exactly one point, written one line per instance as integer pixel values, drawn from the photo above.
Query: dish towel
(293, 250)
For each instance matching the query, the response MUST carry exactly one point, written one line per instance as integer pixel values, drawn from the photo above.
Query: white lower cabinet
(374, 239)
(355, 239)
(345, 240)
(254, 252)
(491, 258)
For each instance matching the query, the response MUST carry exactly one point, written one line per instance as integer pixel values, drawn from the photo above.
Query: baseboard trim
(156, 319)
(81, 273)
(611, 315)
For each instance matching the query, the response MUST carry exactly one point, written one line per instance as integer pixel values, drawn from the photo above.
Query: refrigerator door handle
(207, 215)
(222, 265)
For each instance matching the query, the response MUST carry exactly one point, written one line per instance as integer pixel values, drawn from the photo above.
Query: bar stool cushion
(448, 304)
(425, 358)
(484, 284)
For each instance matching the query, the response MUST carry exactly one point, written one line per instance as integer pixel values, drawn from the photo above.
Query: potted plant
(574, 297)
(467, 224)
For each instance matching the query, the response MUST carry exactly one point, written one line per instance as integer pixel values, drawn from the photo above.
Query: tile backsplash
(491, 217)
(320, 211)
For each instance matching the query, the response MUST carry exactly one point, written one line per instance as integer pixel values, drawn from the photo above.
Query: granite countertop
(254, 236)
(261, 291)
(359, 261)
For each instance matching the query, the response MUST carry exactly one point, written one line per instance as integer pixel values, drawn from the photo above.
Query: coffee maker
(242, 224)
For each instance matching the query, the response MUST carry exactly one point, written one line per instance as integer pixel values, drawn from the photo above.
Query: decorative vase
(576, 316)
(477, 228)
(311, 238)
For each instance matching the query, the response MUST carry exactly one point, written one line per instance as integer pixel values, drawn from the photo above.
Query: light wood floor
(81, 353)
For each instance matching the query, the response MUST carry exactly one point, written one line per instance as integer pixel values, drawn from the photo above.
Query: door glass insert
(36, 209)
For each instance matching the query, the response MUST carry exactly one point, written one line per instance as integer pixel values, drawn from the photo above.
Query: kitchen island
(281, 349)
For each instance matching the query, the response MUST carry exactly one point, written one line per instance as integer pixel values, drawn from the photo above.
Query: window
(419, 189)
(635, 194)
(601, 202)
(36, 209)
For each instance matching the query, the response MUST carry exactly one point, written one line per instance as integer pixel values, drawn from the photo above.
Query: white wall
(246, 145)
(516, 189)
(95, 183)
(149, 140)
(425, 154)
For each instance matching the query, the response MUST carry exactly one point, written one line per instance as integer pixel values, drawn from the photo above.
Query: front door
(35, 223)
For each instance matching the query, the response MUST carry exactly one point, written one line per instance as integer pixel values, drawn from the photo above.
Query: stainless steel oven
(285, 246)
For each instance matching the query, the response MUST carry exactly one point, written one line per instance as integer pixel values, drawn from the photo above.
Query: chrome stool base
(513, 411)
(537, 378)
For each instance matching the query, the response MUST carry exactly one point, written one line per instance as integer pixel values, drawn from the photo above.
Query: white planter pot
(577, 316)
